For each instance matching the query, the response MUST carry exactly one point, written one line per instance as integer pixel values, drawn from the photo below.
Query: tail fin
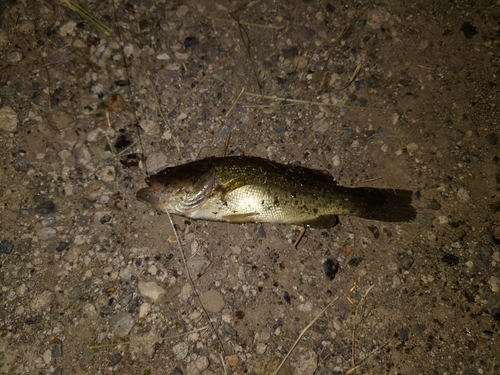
(388, 205)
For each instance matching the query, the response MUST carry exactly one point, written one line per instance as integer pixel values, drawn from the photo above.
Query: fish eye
(165, 172)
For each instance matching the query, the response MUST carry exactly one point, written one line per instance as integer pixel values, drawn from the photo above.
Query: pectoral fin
(249, 217)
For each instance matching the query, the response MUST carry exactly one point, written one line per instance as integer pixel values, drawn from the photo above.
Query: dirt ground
(384, 94)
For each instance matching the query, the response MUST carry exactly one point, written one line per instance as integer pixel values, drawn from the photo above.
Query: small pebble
(46, 233)
(405, 261)
(494, 283)
(180, 351)
(56, 349)
(412, 148)
(306, 363)
(260, 348)
(45, 208)
(86, 358)
(14, 57)
(450, 259)
(106, 174)
(42, 300)
(115, 359)
(305, 306)
(6, 247)
(220, 275)
(61, 119)
(47, 356)
(198, 265)
(122, 324)
(463, 195)
(68, 28)
(150, 290)
(8, 119)
(212, 300)
(232, 360)
(201, 363)
(163, 56)
(144, 310)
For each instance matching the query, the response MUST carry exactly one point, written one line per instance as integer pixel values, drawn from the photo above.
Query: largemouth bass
(242, 189)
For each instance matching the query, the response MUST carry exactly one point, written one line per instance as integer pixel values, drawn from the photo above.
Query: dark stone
(6, 247)
(190, 42)
(56, 349)
(468, 296)
(130, 160)
(375, 231)
(331, 267)
(495, 314)
(486, 251)
(433, 205)
(450, 259)
(105, 219)
(492, 139)
(177, 371)
(261, 233)
(122, 142)
(22, 165)
(419, 328)
(405, 261)
(287, 296)
(288, 53)
(228, 328)
(115, 359)
(404, 334)
(354, 262)
(468, 30)
(63, 245)
(46, 208)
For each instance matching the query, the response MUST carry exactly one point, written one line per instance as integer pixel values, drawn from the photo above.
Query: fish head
(176, 190)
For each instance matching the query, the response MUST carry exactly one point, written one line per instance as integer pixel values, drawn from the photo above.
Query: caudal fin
(390, 205)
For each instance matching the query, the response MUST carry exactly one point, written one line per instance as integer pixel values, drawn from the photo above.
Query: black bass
(242, 189)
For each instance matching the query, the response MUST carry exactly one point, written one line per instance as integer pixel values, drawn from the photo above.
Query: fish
(245, 189)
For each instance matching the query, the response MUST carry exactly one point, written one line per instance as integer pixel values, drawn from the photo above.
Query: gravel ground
(385, 94)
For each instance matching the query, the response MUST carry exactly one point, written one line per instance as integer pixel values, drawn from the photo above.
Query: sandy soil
(378, 94)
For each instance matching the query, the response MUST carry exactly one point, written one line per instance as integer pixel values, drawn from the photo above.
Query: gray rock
(180, 351)
(57, 350)
(6, 247)
(45, 208)
(86, 358)
(122, 324)
(198, 265)
(42, 300)
(212, 300)
(46, 233)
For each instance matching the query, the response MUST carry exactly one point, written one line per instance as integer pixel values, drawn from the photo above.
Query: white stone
(67, 28)
(163, 56)
(144, 309)
(8, 119)
(180, 351)
(494, 283)
(463, 195)
(150, 290)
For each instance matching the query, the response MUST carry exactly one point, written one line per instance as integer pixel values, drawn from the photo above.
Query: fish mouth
(147, 195)
(152, 193)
